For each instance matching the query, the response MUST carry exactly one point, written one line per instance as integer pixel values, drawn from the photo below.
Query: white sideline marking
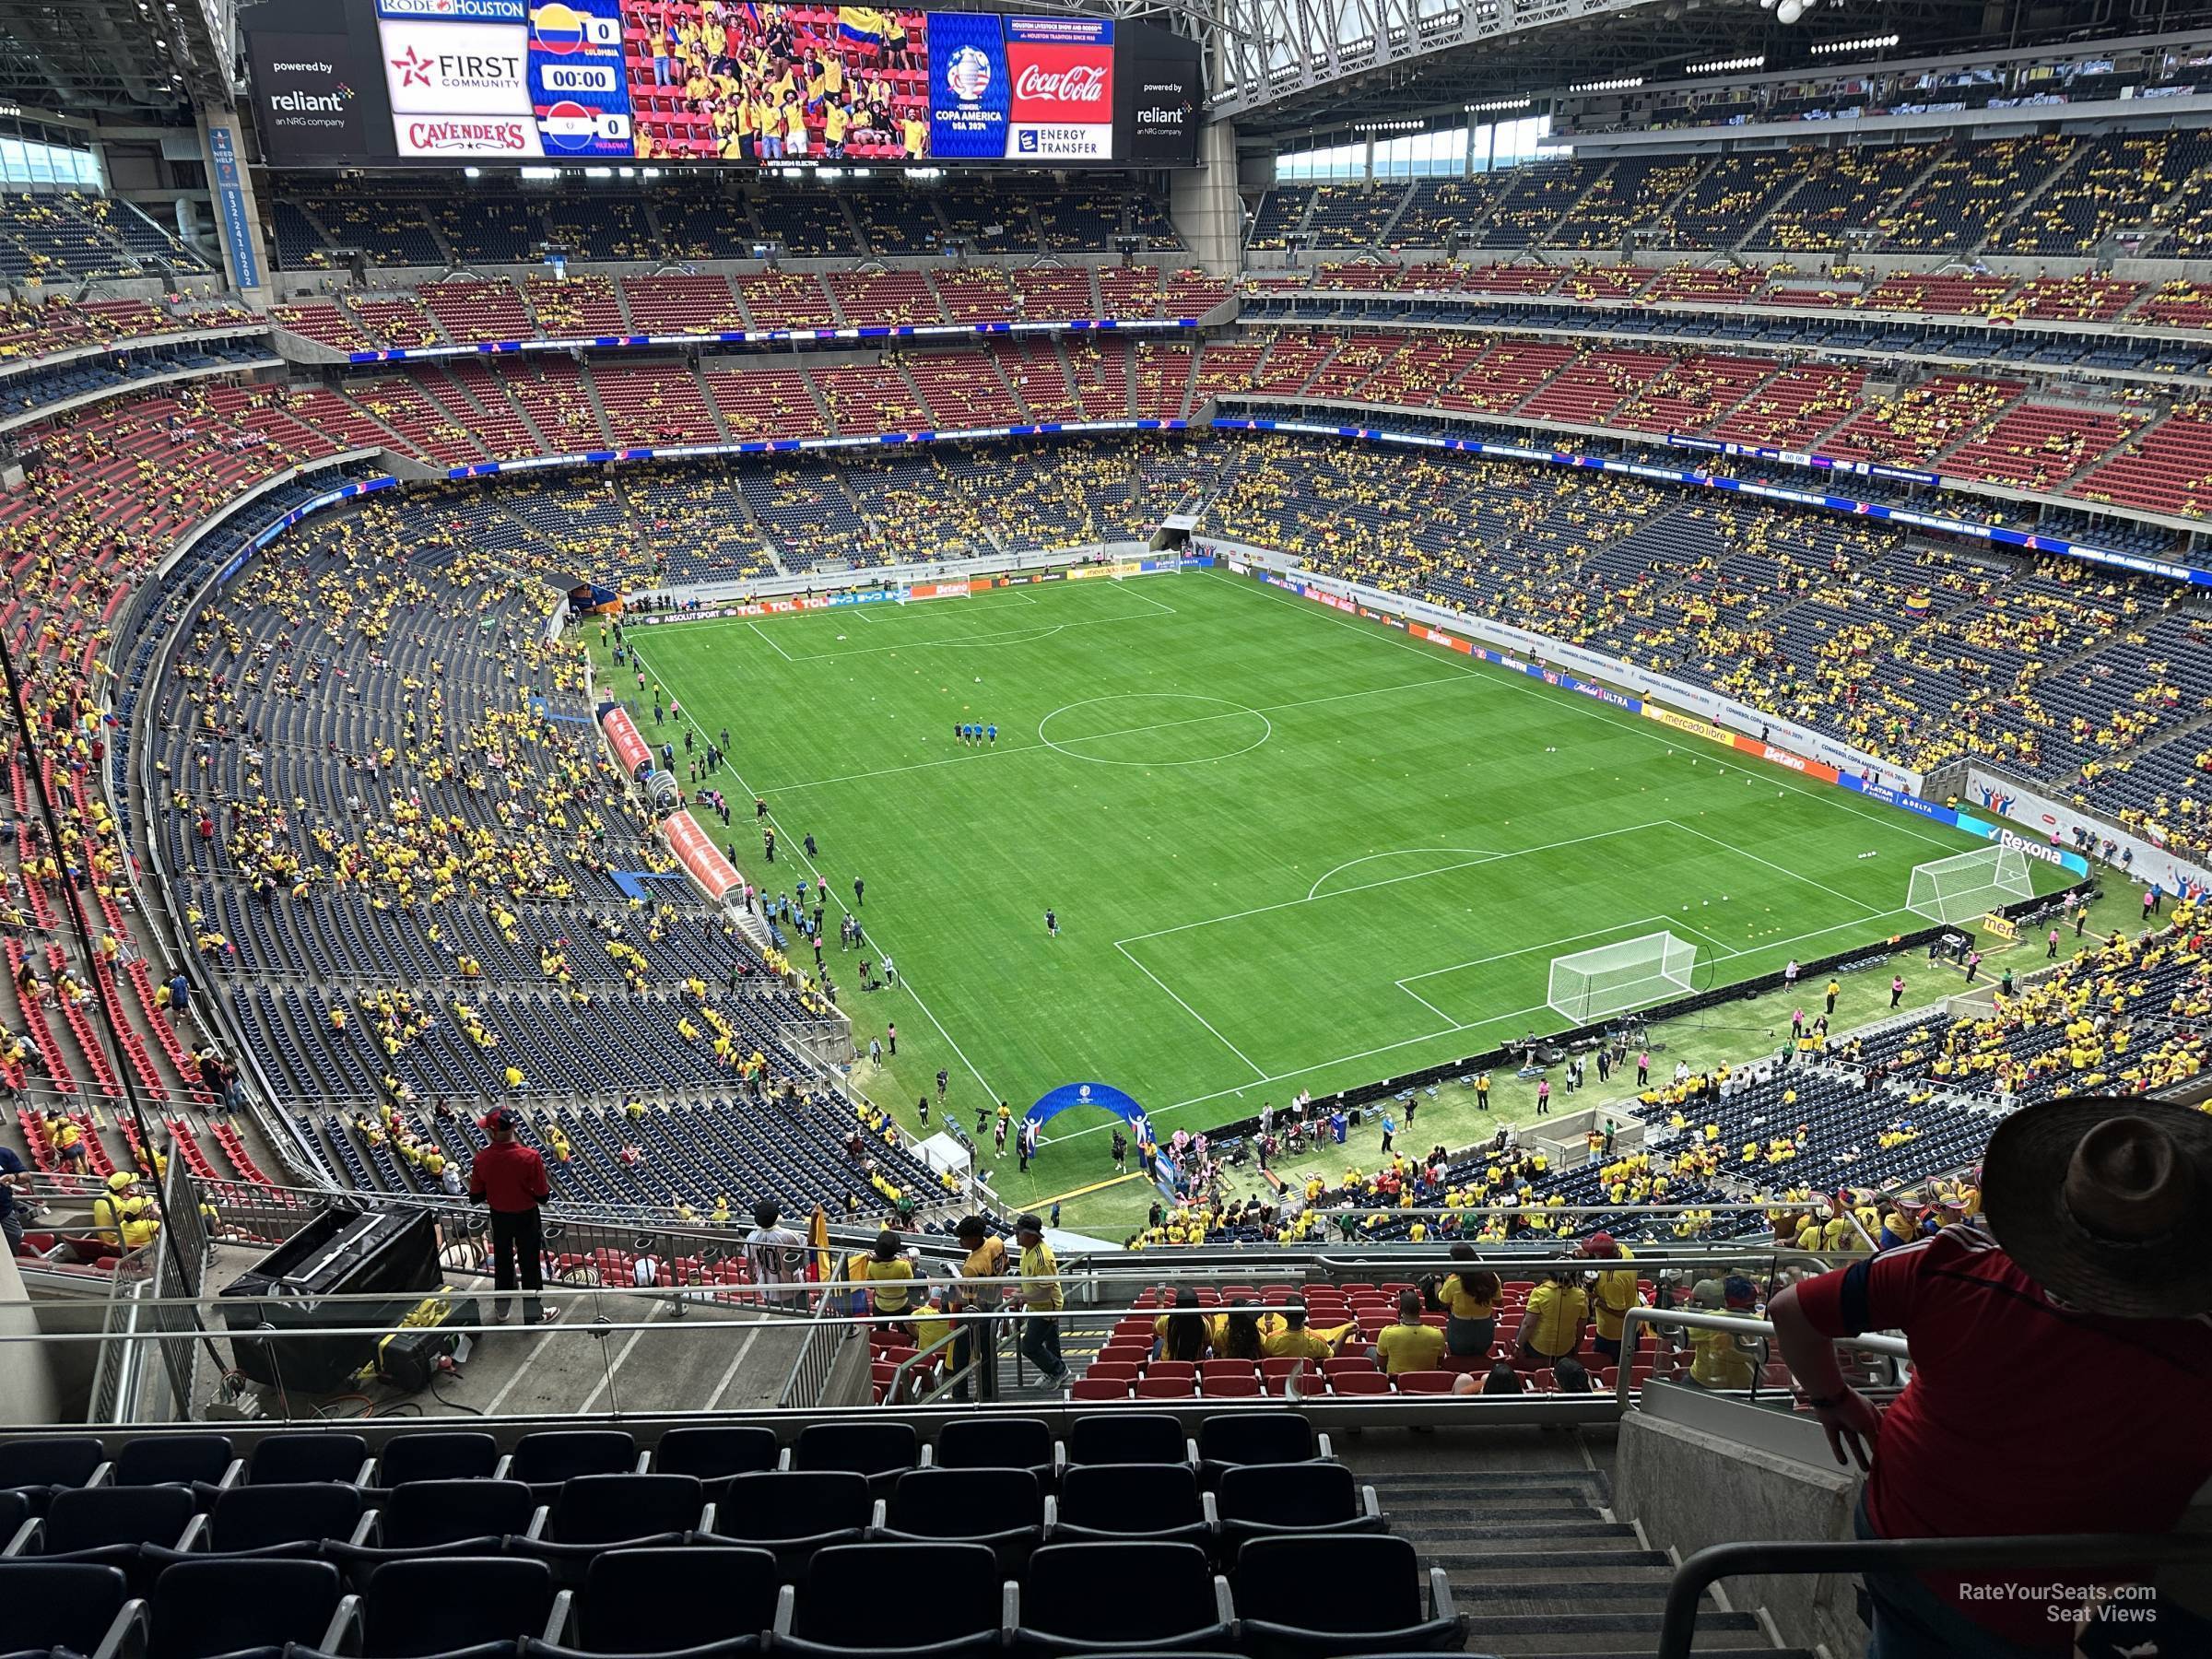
(797, 847)
(1258, 1070)
(764, 640)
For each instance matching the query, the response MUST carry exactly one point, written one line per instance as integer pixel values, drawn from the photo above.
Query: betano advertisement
(356, 83)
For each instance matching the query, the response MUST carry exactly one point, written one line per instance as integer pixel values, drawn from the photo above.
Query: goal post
(1957, 889)
(1591, 985)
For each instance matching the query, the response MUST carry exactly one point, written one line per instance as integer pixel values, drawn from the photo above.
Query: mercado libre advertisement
(354, 83)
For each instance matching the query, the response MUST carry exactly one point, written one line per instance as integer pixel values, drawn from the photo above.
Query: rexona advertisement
(354, 83)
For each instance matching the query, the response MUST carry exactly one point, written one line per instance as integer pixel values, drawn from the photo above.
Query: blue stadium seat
(1379, 1605)
(466, 1606)
(437, 1454)
(110, 1526)
(1075, 1598)
(427, 1518)
(794, 1513)
(545, 1457)
(882, 1451)
(1108, 1502)
(76, 1607)
(685, 1604)
(1237, 1437)
(277, 1521)
(175, 1459)
(1115, 1437)
(1001, 1508)
(993, 1443)
(1258, 1501)
(713, 1455)
(205, 1609)
(596, 1514)
(963, 1610)
(37, 1467)
(293, 1458)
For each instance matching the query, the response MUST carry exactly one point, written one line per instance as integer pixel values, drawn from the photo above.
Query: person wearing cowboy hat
(510, 1180)
(2062, 1370)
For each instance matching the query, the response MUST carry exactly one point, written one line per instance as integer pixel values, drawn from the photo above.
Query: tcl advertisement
(379, 82)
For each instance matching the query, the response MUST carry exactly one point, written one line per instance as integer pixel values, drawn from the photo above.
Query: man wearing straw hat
(2062, 1377)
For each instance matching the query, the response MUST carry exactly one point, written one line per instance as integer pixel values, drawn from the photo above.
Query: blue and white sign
(969, 94)
(230, 206)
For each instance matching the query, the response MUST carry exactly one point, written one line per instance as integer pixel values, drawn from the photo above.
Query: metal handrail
(1677, 1626)
(1636, 1318)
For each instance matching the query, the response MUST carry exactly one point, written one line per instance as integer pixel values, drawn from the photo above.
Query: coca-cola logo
(1081, 83)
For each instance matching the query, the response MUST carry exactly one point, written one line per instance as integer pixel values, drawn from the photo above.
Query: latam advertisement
(368, 82)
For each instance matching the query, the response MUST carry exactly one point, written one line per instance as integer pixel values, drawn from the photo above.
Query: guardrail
(1678, 1628)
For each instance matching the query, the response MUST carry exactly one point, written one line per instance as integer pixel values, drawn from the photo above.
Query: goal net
(1589, 985)
(1956, 889)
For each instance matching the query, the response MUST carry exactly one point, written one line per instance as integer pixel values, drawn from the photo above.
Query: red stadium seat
(1165, 1388)
(1426, 1383)
(1369, 1382)
(1243, 1385)
(1172, 1370)
(1100, 1388)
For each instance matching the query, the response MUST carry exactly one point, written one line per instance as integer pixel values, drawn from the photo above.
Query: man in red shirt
(510, 1179)
(2061, 1374)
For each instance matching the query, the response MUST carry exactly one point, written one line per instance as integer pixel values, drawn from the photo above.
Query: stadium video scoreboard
(384, 83)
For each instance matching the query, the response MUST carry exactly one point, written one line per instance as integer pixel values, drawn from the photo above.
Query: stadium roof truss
(116, 57)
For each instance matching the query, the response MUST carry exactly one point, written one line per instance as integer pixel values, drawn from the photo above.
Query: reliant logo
(1153, 117)
(309, 103)
(1081, 83)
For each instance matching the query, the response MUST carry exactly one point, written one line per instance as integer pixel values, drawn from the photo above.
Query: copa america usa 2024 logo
(968, 74)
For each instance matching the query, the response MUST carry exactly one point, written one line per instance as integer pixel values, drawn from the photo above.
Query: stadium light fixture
(472, 173)
(1627, 83)
(1726, 65)
(1867, 43)
(1492, 106)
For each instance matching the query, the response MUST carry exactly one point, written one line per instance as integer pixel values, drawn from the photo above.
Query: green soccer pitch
(1287, 849)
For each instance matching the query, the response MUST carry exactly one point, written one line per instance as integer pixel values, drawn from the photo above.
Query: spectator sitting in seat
(1183, 1333)
(1572, 1376)
(1502, 1380)
(1291, 1340)
(1551, 1326)
(1407, 1345)
(1470, 1305)
(1240, 1335)
(2078, 1324)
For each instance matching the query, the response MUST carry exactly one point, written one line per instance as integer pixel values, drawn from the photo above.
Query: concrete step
(1609, 1653)
(1440, 1533)
(1440, 1505)
(1646, 1595)
(1585, 1566)
(1572, 1527)
(1628, 1633)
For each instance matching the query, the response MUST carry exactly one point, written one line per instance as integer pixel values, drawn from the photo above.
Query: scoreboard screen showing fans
(355, 83)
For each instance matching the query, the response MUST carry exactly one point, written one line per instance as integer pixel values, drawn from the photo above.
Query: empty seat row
(37, 1467)
(792, 1514)
(889, 1601)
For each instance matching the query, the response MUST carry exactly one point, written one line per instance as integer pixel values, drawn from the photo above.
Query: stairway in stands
(1522, 1523)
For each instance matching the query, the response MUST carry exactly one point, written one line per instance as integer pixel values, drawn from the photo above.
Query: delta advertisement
(357, 83)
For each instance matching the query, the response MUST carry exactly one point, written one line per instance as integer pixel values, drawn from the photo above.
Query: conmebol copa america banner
(1034, 90)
